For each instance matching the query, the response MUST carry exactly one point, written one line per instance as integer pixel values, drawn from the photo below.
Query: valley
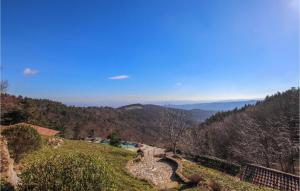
(135, 122)
(187, 134)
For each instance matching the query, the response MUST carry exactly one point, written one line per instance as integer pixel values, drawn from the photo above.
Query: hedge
(67, 171)
(21, 140)
(219, 164)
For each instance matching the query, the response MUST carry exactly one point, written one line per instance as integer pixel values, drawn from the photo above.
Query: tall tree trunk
(267, 161)
(174, 148)
(281, 165)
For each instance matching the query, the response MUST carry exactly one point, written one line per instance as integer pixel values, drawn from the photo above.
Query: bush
(219, 164)
(66, 171)
(114, 138)
(13, 117)
(196, 178)
(21, 139)
(5, 186)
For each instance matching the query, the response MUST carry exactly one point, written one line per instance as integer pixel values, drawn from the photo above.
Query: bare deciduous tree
(174, 126)
(265, 134)
(3, 86)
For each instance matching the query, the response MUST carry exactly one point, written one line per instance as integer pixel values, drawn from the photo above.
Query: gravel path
(154, 169)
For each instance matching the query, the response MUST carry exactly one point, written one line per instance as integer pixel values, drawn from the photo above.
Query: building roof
(41, 130)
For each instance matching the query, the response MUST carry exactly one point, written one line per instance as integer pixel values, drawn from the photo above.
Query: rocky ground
(154, 169)
(7, 171)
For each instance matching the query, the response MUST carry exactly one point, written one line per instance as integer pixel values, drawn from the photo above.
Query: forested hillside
(135, 122)
(266, 133)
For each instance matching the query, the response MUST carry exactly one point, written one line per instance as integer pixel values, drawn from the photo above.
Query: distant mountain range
(195, 115)
(214, 106)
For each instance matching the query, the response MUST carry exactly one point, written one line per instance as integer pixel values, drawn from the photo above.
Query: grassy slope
(119, 157)
(115, 156)
(226, 181)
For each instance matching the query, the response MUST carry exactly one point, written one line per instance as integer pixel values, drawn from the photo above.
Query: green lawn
(226, 181)
(116, 157)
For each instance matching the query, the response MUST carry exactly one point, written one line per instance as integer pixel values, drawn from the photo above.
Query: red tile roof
(41, 130)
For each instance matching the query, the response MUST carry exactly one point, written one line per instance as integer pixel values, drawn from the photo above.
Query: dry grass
(214, 177)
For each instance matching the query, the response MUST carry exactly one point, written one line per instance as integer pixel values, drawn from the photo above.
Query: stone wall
(179, 168)
(7, 171)
(269, 177)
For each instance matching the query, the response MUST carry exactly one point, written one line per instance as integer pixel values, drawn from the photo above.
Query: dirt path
(154, 169)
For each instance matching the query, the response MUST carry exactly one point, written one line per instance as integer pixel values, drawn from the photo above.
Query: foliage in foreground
(225, 181)
(21, 140)
(114, 138)
(5, 186)
(115, 160)
(67, 171)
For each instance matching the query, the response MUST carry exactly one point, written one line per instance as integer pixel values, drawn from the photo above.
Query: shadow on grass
(186, 186)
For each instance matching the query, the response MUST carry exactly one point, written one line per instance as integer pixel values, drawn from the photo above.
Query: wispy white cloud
(29, 72)
(120, 77)
(178, 84)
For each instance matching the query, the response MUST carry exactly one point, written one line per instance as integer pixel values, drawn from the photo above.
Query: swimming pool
(124, 145)
(128, 145)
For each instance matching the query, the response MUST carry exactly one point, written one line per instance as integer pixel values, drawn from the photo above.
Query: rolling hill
(135, 122)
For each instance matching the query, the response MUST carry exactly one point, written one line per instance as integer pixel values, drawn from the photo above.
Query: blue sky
(110, 52)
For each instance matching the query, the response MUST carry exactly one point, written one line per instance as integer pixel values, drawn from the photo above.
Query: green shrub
(13, 117)
(21, 139)
(114, 138)
(219, 164)
(5, 186)
(66, 171)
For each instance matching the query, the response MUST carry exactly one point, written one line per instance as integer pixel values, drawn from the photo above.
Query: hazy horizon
(115, 104)
(121, 101)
